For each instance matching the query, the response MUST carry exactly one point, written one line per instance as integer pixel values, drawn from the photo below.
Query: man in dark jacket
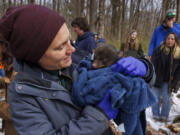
(85, 39)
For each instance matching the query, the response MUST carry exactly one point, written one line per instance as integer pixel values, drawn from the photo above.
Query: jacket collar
(86, 34)
(36, 83)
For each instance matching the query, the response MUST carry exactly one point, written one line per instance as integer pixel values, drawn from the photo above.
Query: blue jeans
(166, 101)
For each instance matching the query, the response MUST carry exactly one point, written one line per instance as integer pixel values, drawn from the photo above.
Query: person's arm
(176, 30)
(121, 51)
(135, 67)
(140, 51)
(176, 77)
(30, 119)
(91, 44)
(150, 76)
(152, 43)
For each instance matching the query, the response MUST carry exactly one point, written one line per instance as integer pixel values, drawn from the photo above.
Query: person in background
(85, 39)
(131, 46)
(161, 32)
(40, 94)
(79, 54)
(166, 60)
(7, 60)
(99, 40)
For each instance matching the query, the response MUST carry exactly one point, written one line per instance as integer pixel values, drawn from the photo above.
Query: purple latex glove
(130, 66)
(106, 106)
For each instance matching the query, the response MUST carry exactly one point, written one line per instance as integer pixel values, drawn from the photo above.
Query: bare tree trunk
(115, 18)
(9, 3)
(82, 7)
(58, 6)
(14, 2)
(54, 5)
(101, 18)
(177, 10)
(44, 3)
(88, 12)
(107, 21)
(92, 14)
(123, 20)
(21, 2)
(31, 1)
(163, 13)
(4, 6)
(78, 8)
(136, 15)
(131, 18)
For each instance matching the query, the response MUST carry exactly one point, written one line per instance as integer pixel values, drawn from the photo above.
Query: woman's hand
(130, 66)
(106, 106)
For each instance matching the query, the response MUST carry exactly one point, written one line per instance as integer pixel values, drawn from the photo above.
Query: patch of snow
(175, 111)
(1, 126)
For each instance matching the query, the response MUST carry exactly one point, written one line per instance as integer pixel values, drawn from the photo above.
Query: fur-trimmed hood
(176, 54)
(176, 50)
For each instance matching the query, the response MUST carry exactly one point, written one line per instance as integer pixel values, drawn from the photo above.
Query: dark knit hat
(30, 30)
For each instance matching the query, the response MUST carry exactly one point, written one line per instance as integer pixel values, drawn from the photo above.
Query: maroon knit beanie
(30, 30)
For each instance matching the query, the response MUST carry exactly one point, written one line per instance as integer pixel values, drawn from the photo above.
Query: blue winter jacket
(39, 105)
(86, 42)
(159, 35)
(130, 95)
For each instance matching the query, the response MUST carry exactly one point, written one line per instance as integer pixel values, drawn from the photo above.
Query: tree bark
(44, 3)
(21, 2)
(59, 6)
(101, 18)
(177, 11)
(92, 14)
(9, 3)
(4, 6)
(82, 2)
(164, 8)
(123, 20)
(136, 15)
(31, 1)
(116, 16)
(14, 2)
(78, 8)
(54, 5)
(131, 18)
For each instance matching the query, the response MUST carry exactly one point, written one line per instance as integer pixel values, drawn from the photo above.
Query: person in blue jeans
(166, 102)
(166, 60)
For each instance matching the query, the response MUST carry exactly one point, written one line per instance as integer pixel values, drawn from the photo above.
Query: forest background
(111, 19)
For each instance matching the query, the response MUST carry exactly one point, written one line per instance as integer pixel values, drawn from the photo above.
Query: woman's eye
(61, 47)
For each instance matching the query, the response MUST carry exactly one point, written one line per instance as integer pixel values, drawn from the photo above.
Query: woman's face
(58, 55)
(170, 40)
(78, 31)
(133, 35)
